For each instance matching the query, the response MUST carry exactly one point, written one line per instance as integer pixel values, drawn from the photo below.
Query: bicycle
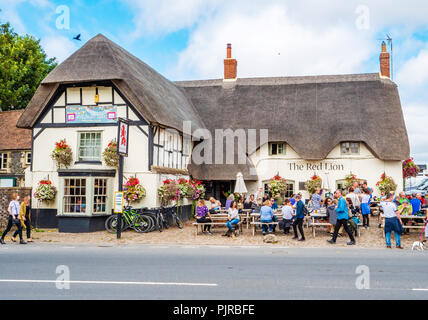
(158, 220)
(176, 219)
(130, 219)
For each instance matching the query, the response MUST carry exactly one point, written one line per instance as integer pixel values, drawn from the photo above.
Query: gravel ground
(370, 238)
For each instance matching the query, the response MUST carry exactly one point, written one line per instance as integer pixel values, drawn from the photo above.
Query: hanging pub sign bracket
(122, 137)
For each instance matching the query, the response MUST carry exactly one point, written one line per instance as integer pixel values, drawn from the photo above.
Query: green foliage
(23, 65)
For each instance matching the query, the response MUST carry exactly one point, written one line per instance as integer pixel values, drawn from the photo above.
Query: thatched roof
(312, 114)
(157, 99)
(11, 137)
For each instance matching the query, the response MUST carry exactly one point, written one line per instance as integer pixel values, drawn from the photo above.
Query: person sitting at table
(273, 204)
(232, 219)
(416, 203)
(203, 216)
(406, 209)
(259, 205)
(287, 215)
(214, 205)
(266, 215)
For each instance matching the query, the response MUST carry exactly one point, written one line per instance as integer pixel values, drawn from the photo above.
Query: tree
(23, 65)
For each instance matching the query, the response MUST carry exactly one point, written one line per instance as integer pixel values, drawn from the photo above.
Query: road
(209, 272)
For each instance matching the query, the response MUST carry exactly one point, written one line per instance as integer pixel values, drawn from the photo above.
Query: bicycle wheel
(142, 224)
(111, 224)
(153, 221)
(178, 222)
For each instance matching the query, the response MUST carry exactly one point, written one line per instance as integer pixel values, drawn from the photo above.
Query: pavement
(61, 271)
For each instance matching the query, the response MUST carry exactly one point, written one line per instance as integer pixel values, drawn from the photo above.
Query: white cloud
(58, 46)
(415, 71)
(269, 42)
(415, 118)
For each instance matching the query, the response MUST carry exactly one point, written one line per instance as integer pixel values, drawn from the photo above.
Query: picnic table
(407, 217)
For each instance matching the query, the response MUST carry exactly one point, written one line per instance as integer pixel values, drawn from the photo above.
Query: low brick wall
(6, 197)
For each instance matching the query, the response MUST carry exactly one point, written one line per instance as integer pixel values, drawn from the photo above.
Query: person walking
(203, 216)
(25, 218)
(392, 221)
(298, 219)
(342, 219)
(13, 219)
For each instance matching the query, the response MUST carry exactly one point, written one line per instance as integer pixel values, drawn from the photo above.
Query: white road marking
(114, 282)
(419, 289)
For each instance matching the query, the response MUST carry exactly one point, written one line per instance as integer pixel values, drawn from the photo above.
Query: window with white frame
(28, 158)
(276, 148)
(350, 148)
(100, 195)
(89, 146)
(74, 195)
(3, 161)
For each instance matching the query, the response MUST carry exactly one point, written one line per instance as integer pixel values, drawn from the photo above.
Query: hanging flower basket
(314, 183)
(386, 184)
(277, 185)
(349, 180)
(410, 169)
(62, 154)
(180, 189)
(133, 190)
(110, 156)
(45, 191)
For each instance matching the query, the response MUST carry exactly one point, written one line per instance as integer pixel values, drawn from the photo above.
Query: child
(287, 215)
(365, 207)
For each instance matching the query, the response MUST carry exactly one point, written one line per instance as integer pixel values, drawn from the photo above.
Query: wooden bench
(196, 224)
(258, 223)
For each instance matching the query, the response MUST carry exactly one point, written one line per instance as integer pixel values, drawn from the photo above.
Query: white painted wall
(292, 167)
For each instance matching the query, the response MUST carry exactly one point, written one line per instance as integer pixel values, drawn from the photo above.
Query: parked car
(415, 183)
(422, 189)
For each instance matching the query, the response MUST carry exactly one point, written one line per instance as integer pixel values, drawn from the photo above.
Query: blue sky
(186, 39)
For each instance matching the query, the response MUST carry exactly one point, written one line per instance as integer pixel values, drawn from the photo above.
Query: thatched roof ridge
(156, 98)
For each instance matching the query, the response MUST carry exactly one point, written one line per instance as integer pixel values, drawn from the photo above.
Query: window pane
(90, 146)
(274, 148)
(100, 195)
(355, 147)
(74, 195)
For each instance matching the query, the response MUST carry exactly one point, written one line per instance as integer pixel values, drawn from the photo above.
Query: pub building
(330, 125)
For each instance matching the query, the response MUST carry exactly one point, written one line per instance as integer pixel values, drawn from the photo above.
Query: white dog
(418, 245)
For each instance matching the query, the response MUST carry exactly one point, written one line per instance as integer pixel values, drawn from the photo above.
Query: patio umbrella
(326, 182)
(240, 184)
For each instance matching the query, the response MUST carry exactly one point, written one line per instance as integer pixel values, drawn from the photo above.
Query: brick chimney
(230, 64)
(384, 62)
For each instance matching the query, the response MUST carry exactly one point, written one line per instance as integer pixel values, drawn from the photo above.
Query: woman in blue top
(266, 215)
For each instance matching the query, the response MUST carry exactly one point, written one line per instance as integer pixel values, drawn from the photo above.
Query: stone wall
(5, 198)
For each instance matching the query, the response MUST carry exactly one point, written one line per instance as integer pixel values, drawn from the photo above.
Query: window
(288, 193)
(350, 148)
(90, 146)
(74, 196)
(3, 161)
(28, 158)
(100, 195)
(276, 148)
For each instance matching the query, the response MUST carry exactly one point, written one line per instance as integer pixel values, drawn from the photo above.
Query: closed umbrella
(326, 182)
(240, 184)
